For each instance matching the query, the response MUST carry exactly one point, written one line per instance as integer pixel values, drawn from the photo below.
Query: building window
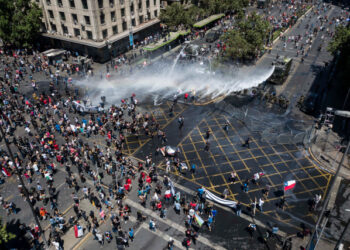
(64, 29)
(100, 4)
(124, 26)
(133, 23)
(147, 4)
(89, 34)
(53, 27)
(123, 12)
(87, 20)
(48, 2)
(121, 2)
(140, 6)
(102, 18)
(63, 16)
(85, 4)
(51, 15)
(111, 3)
(141, 19)
(156, 13)
(59, 3)
(72, 3)
(75, 19)
(104, 33)
(132, 9)
(155, 2)
(115, 29)
(76, 32)
(113, 16)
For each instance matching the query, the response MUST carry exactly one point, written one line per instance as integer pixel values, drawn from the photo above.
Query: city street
(113, 167)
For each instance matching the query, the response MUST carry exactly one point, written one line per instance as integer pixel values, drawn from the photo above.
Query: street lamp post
(312, 245)
(26, 193)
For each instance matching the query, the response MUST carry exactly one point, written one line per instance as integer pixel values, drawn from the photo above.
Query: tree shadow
(22, 239)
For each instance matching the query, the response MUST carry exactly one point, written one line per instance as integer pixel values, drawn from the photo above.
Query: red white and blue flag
(289, 185)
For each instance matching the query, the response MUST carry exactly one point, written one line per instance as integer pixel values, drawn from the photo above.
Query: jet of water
(176, 60)
(155, 81)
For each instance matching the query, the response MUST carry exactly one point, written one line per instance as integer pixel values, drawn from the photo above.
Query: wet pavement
(278, 162)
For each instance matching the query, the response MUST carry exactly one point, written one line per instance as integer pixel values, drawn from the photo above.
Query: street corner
(227, 154)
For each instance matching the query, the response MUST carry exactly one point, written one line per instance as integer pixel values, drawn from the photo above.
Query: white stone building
(98, 28)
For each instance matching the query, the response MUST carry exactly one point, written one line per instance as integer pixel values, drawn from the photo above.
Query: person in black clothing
(246, 143)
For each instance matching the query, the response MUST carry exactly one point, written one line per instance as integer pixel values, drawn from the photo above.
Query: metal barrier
(273, 128)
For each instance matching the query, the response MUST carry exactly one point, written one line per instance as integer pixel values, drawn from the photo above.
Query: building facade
(98, 28)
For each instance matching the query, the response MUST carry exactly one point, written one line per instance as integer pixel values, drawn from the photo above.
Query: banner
(219, 200)
(172, 188)
(83, 108)
(198, 219)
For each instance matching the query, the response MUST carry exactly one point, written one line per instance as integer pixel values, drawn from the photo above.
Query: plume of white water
(157, 82)
(176, 60)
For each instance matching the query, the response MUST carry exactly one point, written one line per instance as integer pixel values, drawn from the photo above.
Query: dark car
(212, 35)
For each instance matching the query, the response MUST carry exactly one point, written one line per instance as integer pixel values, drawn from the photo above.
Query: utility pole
(312, 245)
(26, 193)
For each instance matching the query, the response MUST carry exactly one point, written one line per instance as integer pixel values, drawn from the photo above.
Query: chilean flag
(167, 194)
(78, 231)
(289, 185)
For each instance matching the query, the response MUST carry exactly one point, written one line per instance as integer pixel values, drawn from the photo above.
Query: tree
(195, 14)
(248, 37)
(5, 236)
(20, 22)
(174, 15)
(236, 46)
(340, 43)
(221, 6)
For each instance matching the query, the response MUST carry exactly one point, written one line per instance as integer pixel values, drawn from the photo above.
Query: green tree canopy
(174, 15)
(247, 38)
(221, 6)
(20, 22)
(340, 41)
(5, 236)
(179, 14)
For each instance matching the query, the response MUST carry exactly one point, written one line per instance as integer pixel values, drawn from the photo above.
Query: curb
(299, 20)
(220, 98)
(324, 167)
(319, 164)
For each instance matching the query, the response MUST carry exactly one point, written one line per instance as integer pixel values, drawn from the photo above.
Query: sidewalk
(298, 242)
(325, 150)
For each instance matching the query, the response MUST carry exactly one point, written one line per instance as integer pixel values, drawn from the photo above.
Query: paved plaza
(278, 162)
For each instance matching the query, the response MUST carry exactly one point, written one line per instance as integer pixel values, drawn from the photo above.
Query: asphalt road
(226, 154)
(303, 74)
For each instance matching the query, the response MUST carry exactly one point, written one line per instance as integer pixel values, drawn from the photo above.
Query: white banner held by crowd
(213, 197)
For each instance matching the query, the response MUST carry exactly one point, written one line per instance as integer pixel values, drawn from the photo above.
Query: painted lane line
(171, 223)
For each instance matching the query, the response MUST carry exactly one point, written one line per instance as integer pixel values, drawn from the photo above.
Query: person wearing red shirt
(193, 205)
(186, 96)
(159, 205)
(127, 187)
